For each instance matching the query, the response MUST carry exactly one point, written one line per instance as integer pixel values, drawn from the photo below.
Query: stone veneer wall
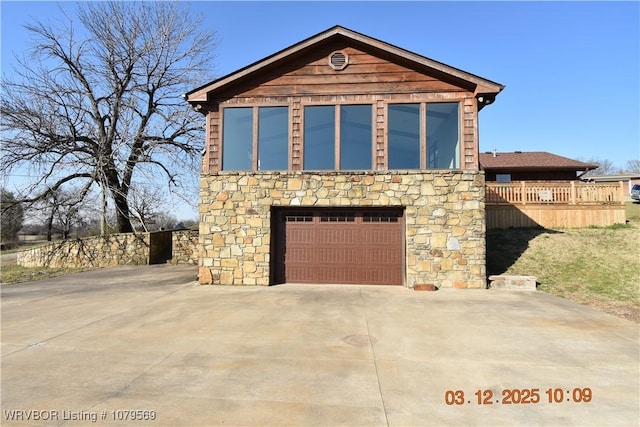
(185, 247)
(98, 251)
(444, 218)
(116, 249)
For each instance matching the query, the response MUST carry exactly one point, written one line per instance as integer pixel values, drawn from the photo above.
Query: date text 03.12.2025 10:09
(519, 396)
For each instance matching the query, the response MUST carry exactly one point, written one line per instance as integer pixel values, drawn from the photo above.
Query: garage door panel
(341, 246)
(336, 234)
(337, 255)
(381, 256)
(384, 236)
(301, 255)
(299, 235)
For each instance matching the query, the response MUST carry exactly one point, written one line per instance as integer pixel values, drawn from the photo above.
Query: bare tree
(100, 106)
(12, 217)
(146, 204)
(165, 221)
(63, 212)
(605, 167)
(633, 166)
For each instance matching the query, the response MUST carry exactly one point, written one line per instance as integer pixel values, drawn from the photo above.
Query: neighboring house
(343, 159)
(531, 166)
(628, 180)
(540, 189)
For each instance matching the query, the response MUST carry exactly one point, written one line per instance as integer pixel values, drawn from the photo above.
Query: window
(404, 136)
(355, 137)
(341, 137)
(503, 177)
(352, 143)
(443, 136)
(379, 217)
(411, 136)
(345, 216)
(298, 218)
(237, 139)
(319, 137)
(271, 138)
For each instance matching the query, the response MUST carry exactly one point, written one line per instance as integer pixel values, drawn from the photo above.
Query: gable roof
(475, 83)
(532, 160)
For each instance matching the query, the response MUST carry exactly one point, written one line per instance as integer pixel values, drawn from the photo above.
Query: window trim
(424, 149)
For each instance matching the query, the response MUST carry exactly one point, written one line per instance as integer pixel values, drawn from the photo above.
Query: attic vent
(338, 60)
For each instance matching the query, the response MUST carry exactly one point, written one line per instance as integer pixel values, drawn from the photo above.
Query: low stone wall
(185, 247)
(98, 251)
(444, 220)
(178, 247)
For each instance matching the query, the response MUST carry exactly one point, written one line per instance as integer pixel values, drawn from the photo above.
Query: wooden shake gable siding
(376, 74)
(364, 74)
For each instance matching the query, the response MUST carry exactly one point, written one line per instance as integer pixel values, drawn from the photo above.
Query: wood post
(621, 191)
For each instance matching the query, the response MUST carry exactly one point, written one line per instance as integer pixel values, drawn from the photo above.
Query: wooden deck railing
(554, 193)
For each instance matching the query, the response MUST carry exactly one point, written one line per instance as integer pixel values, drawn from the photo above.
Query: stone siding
(444, 220)
(180, 247)
(98, 251)
(185, 247)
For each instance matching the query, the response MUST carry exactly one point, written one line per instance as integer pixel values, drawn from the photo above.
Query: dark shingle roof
(530, 160)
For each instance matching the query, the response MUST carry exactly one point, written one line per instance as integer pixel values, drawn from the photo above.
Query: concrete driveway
(147, 346)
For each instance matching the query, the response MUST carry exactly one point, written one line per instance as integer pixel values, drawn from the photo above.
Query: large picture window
(355, 137)
(269, 139)
(341, 137)
(319, 137)
(338, 134)
(443, 136)
(404, 136)
(237, 139)
(273, 138)
(423, 136)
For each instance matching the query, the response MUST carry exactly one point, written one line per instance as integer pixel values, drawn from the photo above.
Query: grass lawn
(11, 273)
(599, 267)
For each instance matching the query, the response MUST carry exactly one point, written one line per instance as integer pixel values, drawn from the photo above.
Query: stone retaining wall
(115, 249)
(185, 247)
(444, 219)
(97, 251)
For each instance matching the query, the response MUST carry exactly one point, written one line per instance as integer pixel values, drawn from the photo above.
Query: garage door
(342, 246)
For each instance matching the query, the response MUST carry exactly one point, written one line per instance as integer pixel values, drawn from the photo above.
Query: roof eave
(534, 168)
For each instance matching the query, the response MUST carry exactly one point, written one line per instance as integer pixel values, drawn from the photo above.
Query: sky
(571, 69)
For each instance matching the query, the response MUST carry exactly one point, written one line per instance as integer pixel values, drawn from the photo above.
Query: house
(531, 166)
(540, 189)
(343, 159)
(628, 180)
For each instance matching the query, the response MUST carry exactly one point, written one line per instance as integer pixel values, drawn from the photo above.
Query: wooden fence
(563, 204)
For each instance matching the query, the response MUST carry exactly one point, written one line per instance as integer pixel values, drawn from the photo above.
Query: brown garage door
(342, 246)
